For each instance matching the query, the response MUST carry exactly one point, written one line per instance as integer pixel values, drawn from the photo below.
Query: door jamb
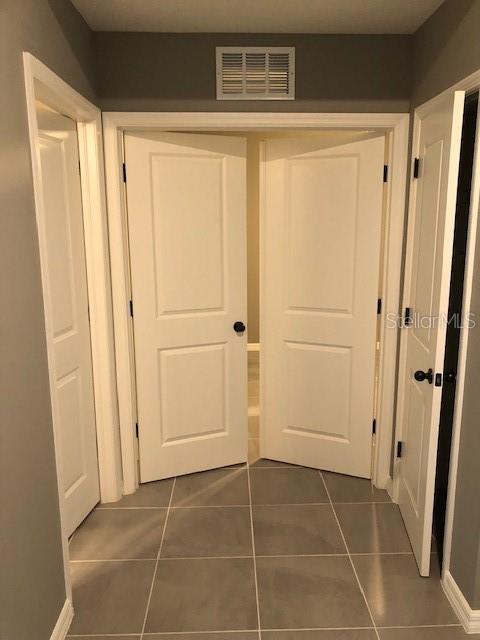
(41, 82)
(115, 123)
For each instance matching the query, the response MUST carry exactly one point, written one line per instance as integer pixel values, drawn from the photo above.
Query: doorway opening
(452, 345)
(294, 222)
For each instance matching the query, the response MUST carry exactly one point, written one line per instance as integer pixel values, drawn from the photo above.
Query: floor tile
(325, 634)
(253, 426)
(216, 487)
(208, 531)
(348, 489)
(298, 593)
(373, 528)
(110, 597)
(284, 486)
(149, 494)
(296, 530)
(253, 450)
(398, 596)
(109, 637)
(203, 595)
(119, 534)
(428, 633)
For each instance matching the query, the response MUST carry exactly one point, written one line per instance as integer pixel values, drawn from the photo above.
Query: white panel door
(68, 301)
(186, 198)
(320, 270)
(437, 137)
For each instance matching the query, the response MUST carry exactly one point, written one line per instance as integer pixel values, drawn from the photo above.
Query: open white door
(320, 270)
(437, 137)
(69, 330)
(186, 197)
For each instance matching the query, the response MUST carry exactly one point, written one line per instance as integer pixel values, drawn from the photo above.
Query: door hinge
(379, 306)
(124, 171)
(136, 429)
(408, 317)
(385, 172)
(131, 308)
(416, 167)
(399, 449)
(438, 379)
(374, 426)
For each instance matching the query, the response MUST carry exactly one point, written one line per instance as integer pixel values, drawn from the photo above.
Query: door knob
(420, 376)
(239, 327)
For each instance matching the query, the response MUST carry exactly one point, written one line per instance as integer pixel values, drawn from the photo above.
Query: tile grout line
(158, 558)
(350, 557)
(238, 506)
(253, 551)
(259, 555)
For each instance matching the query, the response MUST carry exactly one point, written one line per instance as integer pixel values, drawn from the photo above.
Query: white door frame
(42, 83)
(115, 123)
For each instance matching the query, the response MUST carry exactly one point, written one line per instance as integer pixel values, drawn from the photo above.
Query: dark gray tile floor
(279, 551)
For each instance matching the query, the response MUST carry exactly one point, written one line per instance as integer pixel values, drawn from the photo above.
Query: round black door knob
(420, 376)
(239, 327)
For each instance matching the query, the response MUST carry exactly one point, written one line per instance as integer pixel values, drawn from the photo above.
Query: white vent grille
(255, 73)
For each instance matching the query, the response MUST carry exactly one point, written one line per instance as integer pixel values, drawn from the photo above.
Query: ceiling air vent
(255, 73)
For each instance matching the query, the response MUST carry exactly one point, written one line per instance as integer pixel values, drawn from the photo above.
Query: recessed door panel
(192, 395)
(318, 236)
(182, 187)
(312, 367)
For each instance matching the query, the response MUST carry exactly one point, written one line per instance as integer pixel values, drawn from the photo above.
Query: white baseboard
(63, 623)
(254, 346)
(470, 618)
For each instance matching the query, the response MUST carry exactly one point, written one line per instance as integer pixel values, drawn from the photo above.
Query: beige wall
(32, 589)
(446, 49)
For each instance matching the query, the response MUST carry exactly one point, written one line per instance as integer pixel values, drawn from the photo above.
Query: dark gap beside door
(454, 311)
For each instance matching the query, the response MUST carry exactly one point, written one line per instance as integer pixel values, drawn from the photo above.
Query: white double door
(68, 330)
(186, 197)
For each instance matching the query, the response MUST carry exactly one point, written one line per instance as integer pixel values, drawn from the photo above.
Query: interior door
(186, 197)
(437, 137)
(68, 301)
(320, 271)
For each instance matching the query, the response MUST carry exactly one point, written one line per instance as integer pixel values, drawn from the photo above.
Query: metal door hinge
(136, 429)
(385, 172)
(131, 308)
(374, 426)
(379, 306)
(124, 171)
(399, 449)
(416, 167)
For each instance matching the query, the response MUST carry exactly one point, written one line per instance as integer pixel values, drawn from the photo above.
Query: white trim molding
(469, 618)
(116, 123)
(64, 621)
(42, 83)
